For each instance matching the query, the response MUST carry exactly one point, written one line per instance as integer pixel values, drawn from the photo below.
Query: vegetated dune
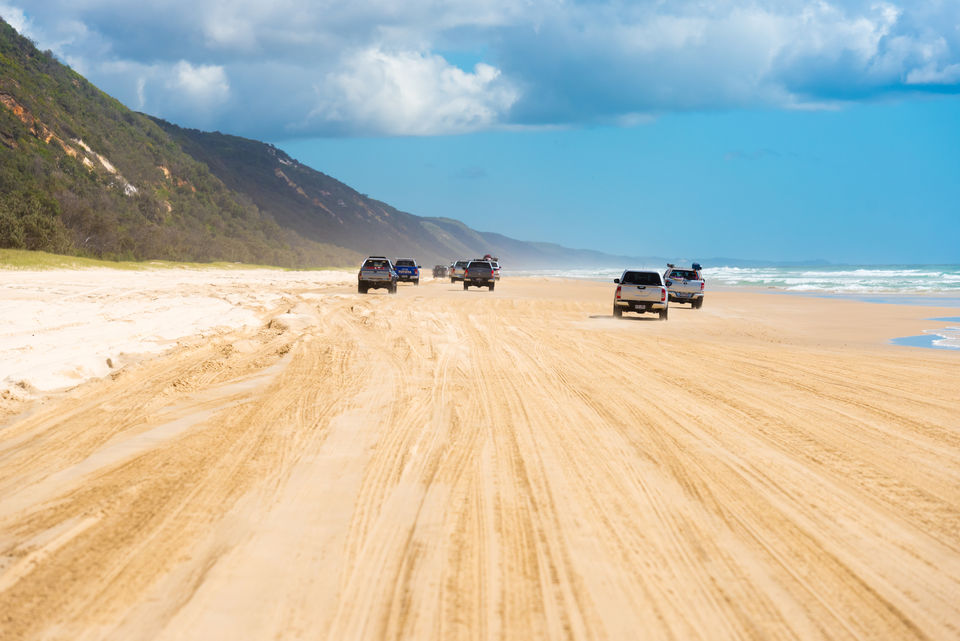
(443, 464)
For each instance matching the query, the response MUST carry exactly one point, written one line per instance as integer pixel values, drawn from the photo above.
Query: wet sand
(443, 464)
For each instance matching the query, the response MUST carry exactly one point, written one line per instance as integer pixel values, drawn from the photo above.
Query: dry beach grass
(443, 464)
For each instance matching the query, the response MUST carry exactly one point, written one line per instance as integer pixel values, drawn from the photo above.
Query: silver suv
(457, 270)
(685, 285)
(377, 272)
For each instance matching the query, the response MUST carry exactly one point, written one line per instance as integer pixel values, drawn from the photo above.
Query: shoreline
(74, 326)
(869, 281)
(929, 339)
(148, 308)
(939, 338)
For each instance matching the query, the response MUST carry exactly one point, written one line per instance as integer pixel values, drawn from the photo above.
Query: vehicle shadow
(640, 319)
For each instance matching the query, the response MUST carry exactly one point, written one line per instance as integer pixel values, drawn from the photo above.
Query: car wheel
(361, 289)
(491, 286)
(416, 283)
(617, 311)
(663, 314)
(465, 285)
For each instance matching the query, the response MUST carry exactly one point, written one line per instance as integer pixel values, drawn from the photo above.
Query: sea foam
(846, 279)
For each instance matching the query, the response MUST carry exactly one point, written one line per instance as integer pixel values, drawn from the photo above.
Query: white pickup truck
(640, 291)
(685, 285)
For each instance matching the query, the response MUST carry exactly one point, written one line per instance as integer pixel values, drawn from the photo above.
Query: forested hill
(82, 174)
(322, 208)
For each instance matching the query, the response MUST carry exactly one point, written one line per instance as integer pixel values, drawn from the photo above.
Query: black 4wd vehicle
(479, 273)
(377, 272)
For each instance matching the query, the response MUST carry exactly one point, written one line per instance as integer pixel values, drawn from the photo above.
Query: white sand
(449, 464)
(60, 328)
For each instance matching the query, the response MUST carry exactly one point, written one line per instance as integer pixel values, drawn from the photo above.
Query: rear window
(480, 264)
(685, 274)
(461, 263)
(376, 264)
(405, 262)
(641, 278)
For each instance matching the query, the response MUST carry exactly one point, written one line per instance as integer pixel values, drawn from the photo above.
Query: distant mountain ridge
(321, 208)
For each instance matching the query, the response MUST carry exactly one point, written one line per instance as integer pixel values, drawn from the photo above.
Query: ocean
(940, 280)
(929, 285)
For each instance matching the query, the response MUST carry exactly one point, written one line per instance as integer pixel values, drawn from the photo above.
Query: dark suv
(479, 273)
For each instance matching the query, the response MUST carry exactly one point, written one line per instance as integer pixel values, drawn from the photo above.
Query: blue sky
(779, 130)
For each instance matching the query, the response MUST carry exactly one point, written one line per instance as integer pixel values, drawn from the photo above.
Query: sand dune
(443, 464)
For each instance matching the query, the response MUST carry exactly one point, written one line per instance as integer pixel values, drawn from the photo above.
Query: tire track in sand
(465, 465)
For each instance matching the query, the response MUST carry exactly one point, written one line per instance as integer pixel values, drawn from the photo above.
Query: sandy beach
(196, 454)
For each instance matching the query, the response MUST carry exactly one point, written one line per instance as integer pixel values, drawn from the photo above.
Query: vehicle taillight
(701, 286)
(618, 291)
(663, 294)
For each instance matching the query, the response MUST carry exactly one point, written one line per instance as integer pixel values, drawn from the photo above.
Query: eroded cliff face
(37, 128)
(80, 150)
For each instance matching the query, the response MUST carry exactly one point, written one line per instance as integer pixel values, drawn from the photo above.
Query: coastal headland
(276, 456)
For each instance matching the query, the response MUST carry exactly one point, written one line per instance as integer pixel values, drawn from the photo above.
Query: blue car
(408, 271)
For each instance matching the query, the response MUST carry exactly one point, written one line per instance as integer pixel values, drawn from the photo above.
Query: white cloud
(411, 68)
(16, 18)
(203, 85)
(190, 95)
(141, 93)
(931, 75)
(411, 93)
(823, 29)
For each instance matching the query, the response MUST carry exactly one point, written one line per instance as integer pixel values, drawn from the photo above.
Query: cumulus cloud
(371, 67)
(410, 93)
(16, 18)
(204, 85)
(656, 58)
(191, 95)
(931, 75)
